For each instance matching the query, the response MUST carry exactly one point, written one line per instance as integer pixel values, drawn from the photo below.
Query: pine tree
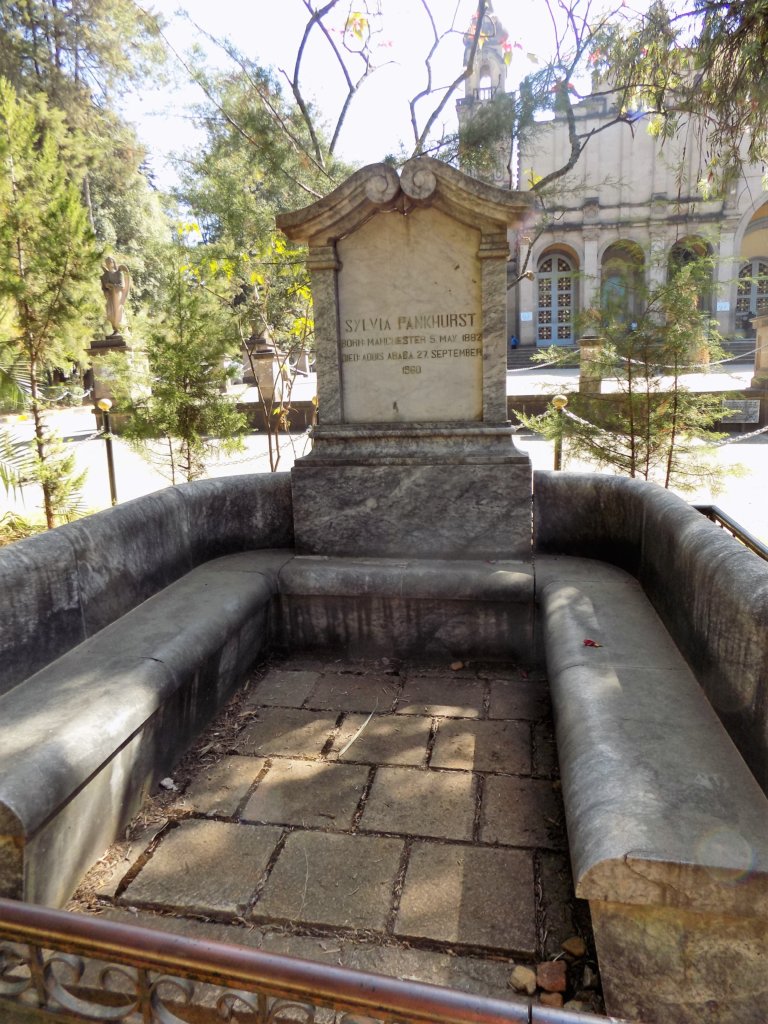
(48, 267)
(189, 339)
(650, 424)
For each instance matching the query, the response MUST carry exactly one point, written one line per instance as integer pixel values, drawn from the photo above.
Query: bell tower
(486, 85)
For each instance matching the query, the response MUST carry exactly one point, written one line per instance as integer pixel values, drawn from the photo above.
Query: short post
(590, 376)
(559, 403)
(105, 405)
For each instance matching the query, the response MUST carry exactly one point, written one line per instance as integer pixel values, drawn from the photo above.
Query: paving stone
(469, 896)
(386, 739)
(494, 670)
(346, 691)
(521, 812)
(484, 977)
(326, 950)
(309, 793)
(205, 867)
(123, 855)
(398, 962)
(323, 950)
(482, 746)
(324, 878)
(466, 973)
(545, 751)
(286, 731)
(442, 695)
(220, 788)
(477, 896)
(191, 928)
(467, 671)
(518, 699)
(283, 687)
(421, 803)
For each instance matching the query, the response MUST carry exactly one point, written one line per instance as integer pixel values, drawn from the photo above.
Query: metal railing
(722, 519)
(57, 966)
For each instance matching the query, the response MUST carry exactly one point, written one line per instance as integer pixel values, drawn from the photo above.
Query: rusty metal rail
(57, 966)
(722, 519)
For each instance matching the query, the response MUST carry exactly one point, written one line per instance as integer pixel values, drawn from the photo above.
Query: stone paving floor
(399, 819)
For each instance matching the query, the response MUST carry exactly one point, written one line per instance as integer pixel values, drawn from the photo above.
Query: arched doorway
(686, 252)
(556, 306)
(622, 282)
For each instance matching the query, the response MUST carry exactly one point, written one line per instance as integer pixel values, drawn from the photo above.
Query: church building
(630, 210)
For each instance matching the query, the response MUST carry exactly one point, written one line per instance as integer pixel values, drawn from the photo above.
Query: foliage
(14, 526)
(76, 49)
(82, 55)
(234, 186)
(697, 65)
(188, 343)
(355, 43)
(651, 425)
(48, 269)
(16, 463)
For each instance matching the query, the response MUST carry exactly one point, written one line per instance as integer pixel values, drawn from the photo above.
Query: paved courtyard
(399, 819)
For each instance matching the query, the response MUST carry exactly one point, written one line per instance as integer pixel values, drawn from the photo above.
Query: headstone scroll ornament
(116, 285)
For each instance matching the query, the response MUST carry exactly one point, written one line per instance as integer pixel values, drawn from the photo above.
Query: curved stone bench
(86, 737)
(409, 608)
(667, 827)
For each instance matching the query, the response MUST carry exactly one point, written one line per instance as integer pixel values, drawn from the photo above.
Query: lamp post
(105, 405)
(559, 403)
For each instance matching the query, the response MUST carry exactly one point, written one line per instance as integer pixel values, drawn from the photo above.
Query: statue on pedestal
(116, 284)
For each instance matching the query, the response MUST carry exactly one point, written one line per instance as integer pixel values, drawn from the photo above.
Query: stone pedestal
(414, 453)
(100, 368)
(265, 366)
(759, 385)
(426, 491)
(590, 377)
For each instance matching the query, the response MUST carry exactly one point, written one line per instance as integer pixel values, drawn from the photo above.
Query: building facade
(629, 212)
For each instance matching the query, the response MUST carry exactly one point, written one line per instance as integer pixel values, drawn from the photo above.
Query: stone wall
(63, 586)
(710, 591)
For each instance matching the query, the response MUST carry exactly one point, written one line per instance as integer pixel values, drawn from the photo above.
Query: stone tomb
(413, 454)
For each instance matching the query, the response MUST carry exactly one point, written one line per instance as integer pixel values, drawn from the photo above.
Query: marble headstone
(413, 453)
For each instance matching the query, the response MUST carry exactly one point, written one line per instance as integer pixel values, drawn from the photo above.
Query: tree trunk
(40, 443)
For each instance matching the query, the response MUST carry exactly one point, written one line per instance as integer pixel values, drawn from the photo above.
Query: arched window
(556, 305)
(752, 295)
(622, 281)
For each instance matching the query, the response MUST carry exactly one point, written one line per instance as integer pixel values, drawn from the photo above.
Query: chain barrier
(693, 366)
(713, 444)
(741, 357)
(537, 366)
(264, 456)
(740, 437)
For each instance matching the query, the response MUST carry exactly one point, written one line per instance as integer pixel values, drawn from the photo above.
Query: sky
(270, 30)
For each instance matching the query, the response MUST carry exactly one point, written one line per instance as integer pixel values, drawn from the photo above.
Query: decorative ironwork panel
(556, 299)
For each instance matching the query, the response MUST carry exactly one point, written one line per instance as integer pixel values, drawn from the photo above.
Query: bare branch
(420, 138)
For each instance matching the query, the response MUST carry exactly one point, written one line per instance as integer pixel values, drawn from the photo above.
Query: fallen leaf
(592, 643)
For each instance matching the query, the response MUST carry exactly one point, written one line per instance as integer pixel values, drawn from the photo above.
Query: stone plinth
(414, 453)
(590, 376)
(759, 386)
(265, 366)
(428, 491)
(102, 371)
(760, 380)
